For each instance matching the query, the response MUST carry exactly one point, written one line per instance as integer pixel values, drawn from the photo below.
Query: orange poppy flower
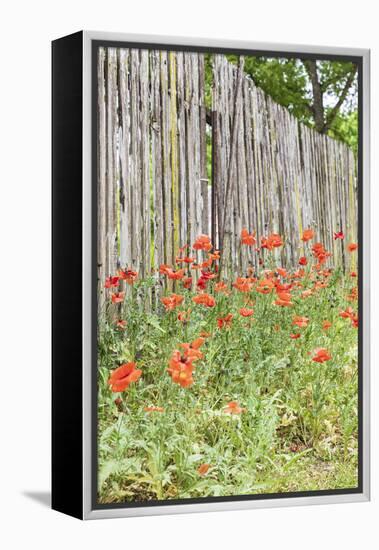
(326, 325)
(163, 268)
(354, 321)
(198, 342)
(187, 282)
(246, 312)
(272, 241)
(301, 322)
(111, 282)
(248, 238)
(128, 275)
(299, 274)
(306, 293)
(352, 246)
(303, 260)
(283, 299)
(308, 234)
(184, 316)
(203, 469)
(205, 334)
(265, 286)
(225, 321)
(170, 302)
(117, 297)
(233, 408)
(203, 242)
(186, 260)
(221, 287)
(181, 369)
(320, 253)
(204, 299)
(320, 284)
(121, 324)
(214, 256)
(153, 409)
(175, 275)
(243, 284)
(348, 313)
(206, 263)
(282, 272)
(353, 294)
(123, 376)
(295, 336)
(321, 355)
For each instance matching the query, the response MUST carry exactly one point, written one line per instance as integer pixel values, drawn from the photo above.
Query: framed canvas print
(210, 275)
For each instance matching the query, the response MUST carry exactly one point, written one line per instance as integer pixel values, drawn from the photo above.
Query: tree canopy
(322, 94)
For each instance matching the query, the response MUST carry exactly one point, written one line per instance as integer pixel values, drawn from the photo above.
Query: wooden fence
(270, 172)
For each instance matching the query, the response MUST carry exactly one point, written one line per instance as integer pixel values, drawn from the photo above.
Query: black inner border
(358, 60)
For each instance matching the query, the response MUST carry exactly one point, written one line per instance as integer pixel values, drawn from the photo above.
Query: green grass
(298, 431)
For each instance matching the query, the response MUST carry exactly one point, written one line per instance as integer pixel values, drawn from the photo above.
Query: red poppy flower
(283, 299)
(243, 284)
(353, 274)
(204, 278)
(326, 325)
(175, 275)
(339, 235)
(186, 260)
(206, 264)
(265, 286)
(111, 282)
(248, 238)
(163, 268)
(233, 408)
(214, 256)
(221, 287)
(170, 302)
(321, 355)
(303, 260)
(354, 321)
(121, 324)
(295, 336)
(203, 469)
(123, 376)
(204, 299)
(246, 312)
(187, 282)
(308, 234)
(352, 246)
(184, 316)
(128, 275)
(203, 242)
(301, 322)
(282, 272)
(353, 294)
(181, 369)
(153, 409)
(272, 241)
(117, 297)
(225, 321)
(348, 313)
(320, 253)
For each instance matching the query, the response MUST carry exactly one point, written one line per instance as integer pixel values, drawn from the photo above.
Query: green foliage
(287, 82)
(298, 430)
